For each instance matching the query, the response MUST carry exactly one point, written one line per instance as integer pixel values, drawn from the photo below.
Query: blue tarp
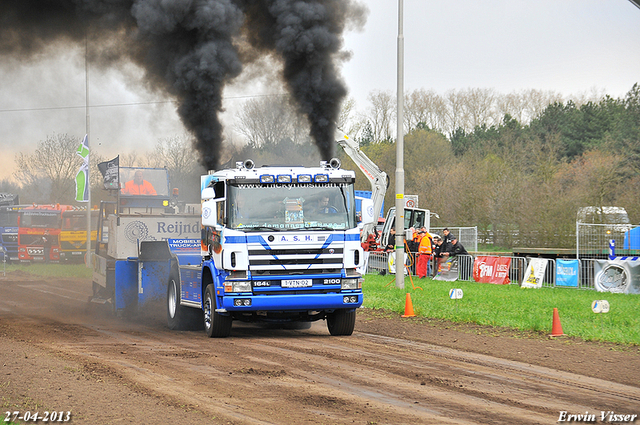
(632, 239)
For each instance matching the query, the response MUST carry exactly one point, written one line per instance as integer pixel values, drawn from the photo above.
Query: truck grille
(6, 238)
(266, 262)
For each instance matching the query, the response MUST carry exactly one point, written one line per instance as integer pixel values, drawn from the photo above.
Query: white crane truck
(277, 244)
(413, 216)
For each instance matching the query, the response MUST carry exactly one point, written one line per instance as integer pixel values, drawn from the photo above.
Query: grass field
(52, 269)
(511, 306)
(485, 304)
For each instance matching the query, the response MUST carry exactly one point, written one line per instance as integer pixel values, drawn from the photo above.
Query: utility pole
(400, 155)
(86, 80)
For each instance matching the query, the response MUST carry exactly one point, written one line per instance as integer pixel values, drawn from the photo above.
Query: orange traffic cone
(556, 328)
(408, 307)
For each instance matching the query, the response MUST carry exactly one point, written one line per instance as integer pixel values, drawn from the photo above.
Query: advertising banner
(534, 275)
(488, 269)
(567, 273)
(620, 276)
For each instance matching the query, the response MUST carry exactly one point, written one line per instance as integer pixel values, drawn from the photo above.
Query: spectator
(46, 246)
(446, 238)
(425, 249)
(437, 253)
(138, 186)
(455, 248)
(391, 241)
(412, 245)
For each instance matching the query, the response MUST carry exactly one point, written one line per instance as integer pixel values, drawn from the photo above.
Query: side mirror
(207, 193)
(368, 215)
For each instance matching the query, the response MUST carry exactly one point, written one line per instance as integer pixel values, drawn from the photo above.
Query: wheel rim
(207, 313)
(173, 299)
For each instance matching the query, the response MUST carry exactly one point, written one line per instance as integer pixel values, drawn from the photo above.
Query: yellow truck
(73, 235)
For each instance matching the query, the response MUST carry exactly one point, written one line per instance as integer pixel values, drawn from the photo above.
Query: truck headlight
(240, 286)
(352, 283)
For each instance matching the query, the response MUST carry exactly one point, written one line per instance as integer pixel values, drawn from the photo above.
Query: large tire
(215, 324)
(341, 322)
(179, 317)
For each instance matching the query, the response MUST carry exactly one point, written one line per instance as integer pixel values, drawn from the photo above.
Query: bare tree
(512, 104)
(536, 101)
(455, 112)
(268, 120)
(177, 155)
(424, 106)
(54, 164)
(351, 125)
(381, 114)
(479, 107)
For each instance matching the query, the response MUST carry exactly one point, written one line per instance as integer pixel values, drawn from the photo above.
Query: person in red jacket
(425, 249)
(138, 186)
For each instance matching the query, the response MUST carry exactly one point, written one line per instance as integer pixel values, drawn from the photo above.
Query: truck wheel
(175, 311)
(180, 317)
(215, 324)
(341, 322)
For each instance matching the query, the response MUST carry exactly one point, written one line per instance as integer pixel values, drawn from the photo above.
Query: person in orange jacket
(138, 186)
(425, 249)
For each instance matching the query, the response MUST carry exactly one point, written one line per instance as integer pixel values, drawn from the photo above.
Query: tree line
(521, 183)
(518, 166)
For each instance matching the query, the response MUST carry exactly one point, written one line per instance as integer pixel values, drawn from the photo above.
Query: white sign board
(455, 294)
(534, 275)
(600, 306)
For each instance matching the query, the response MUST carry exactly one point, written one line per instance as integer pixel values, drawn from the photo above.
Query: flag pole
(86, 80)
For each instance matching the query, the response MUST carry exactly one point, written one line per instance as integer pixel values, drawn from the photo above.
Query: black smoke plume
(189, 49)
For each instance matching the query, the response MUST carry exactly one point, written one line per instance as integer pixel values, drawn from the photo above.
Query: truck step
(99, 300)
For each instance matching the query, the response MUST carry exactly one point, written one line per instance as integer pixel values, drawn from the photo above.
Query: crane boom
(378, 178)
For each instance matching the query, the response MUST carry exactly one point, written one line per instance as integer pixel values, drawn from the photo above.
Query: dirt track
(60, 353)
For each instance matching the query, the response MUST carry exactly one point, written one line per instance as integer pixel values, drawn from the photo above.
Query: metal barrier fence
(593, 240)
(378, 263)
(587, 274)
(468, 236)
(517, 269)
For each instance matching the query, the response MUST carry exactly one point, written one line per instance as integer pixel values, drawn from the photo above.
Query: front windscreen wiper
(315, 228)
(258, 228)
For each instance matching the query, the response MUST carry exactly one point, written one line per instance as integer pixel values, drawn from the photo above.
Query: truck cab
(280, 245)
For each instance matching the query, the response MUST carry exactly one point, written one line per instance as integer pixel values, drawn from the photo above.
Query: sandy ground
(58, 353)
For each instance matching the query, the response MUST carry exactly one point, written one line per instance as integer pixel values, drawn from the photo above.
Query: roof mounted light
(283, 178)
(267, 178)
(321, 178)
(334, 163)
(305, 178)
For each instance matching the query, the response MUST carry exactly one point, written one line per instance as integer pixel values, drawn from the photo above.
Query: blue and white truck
(275, 244)
(9, 212)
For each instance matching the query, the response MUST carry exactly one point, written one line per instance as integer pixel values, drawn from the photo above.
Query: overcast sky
(568, 46)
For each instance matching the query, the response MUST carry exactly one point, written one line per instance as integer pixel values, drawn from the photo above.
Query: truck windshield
(77, 220)
(8, 218)
(50, 219)
(291, 206)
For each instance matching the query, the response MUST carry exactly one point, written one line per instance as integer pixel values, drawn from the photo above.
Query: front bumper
(293, 303)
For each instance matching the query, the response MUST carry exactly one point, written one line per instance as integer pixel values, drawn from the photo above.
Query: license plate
(297, 283)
